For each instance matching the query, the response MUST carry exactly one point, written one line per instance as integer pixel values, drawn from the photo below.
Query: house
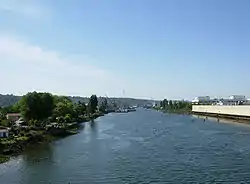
(13, 117)
(4, 132)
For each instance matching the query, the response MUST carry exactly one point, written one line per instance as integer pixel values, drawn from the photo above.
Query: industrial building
(235, 106)
(205, 100)
(232, 100)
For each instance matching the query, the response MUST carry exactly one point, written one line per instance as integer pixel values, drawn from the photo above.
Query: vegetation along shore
(178, 107)
(40, 117)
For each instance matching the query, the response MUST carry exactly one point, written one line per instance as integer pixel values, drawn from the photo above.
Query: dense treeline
(175, 106)
(9, 100)
(44, 107)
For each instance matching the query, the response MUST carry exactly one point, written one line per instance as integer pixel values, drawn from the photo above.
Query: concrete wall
(240, 110)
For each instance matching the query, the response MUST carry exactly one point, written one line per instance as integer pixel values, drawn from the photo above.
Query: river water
(145, 146)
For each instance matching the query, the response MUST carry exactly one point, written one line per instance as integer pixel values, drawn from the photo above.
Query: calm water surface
(139, 147)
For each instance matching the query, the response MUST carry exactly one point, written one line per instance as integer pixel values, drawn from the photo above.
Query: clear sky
(137, 48)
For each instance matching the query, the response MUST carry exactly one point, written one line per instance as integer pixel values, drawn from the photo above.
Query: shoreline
(16, 146)
(182, 112)
(234, 119)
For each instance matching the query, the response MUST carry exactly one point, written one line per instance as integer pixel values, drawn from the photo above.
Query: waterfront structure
(232, 100)
(237, 111)
(235, 106)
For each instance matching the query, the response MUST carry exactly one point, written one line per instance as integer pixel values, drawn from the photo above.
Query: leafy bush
(5, 123)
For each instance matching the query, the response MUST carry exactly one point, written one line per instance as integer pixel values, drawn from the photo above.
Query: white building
(232, 100)
(203, 100)
(4, 132)
(237, 97)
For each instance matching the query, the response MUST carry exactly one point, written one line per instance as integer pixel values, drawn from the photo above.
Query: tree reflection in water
(39, 158)
(39, 153)
(93, 125)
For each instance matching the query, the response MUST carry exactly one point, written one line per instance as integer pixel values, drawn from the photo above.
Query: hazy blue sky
(137, 48)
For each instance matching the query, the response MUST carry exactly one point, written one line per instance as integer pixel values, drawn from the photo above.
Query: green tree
(165, 103)
(67, 118)
(2, 114)
(66, 108)
(161, 103)
(62, 108)
(5, 123)
(175, 105)
(80, 108)
(63, 99)
(92, 105)
(61, 120)
(170, 104)
(37, 106)
(104, 105)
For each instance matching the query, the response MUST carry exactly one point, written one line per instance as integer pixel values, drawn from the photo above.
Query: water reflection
(81, 126)
(141, 147)
(37, 160)
(93, 125)
(42, 152)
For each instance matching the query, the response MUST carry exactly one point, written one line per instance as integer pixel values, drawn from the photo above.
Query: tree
(104, 105)
(63, 108)
(63, 99)
(37, 106)
(170, 104)
(175, 105)
(2, 114)
(4, 122)
(80, 108)
(165, 103)
(161, 103)
(47, 103)
(92, 105)
(67, 118)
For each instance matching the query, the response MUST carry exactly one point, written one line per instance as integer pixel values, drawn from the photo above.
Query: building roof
(3, 128)
(13, 114)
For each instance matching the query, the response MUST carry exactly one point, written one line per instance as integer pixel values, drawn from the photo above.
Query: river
(145, 146)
